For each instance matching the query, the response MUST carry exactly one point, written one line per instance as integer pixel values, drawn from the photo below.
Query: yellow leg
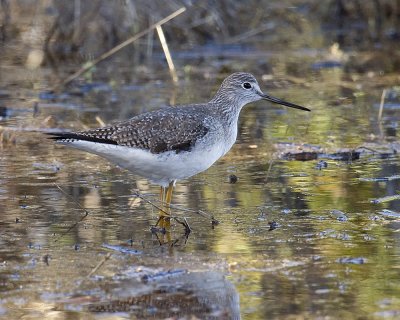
(164, 221)
(161, 213)
(165, 199)
(162, 201)
(168, 199)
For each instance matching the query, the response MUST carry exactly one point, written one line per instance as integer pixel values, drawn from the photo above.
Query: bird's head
(241, 88)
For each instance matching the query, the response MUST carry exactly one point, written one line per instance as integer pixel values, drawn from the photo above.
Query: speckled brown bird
(178, 142)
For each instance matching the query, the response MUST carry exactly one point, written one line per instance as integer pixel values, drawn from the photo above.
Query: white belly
(161, 168)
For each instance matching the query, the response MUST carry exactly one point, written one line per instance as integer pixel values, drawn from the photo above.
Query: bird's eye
(247, 85)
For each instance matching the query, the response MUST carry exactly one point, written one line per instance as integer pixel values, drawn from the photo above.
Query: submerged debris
(321, 165)
(306, 152)
(390, 213)
(233, 179)
(339, 156)
(381, 179)
(342, 156)
(162, 275)
(350, 260)
(4, 112)
(121, 249)
(386, 199)
(46, 259)
(339, 215)
(301, 156)
(273, 225)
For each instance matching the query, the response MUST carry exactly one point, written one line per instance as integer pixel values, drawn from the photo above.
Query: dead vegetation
(81, 30)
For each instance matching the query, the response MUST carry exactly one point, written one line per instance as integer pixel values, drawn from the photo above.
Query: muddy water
(301, 239)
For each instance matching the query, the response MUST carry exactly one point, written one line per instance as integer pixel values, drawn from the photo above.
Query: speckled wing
(171, 129)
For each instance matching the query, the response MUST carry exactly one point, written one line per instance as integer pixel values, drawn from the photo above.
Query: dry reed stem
(380, 113)
(117, 48)
(100, 121)
(381, 105)
(167, 54)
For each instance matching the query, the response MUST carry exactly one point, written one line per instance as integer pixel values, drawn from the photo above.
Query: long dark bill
(282, 102)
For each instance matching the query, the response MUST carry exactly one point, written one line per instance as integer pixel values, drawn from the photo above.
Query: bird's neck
(226, 110)
(228, 103)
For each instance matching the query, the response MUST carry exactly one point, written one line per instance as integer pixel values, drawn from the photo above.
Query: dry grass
(80, 30)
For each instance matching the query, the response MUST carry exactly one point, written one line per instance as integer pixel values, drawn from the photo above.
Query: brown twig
(185, 237)
(199, 212)
(97, 267)
(185, 224)
(117, 48)
(137, 194)
(368, 148)
(168, 215)
(77, 222)
(248, 34)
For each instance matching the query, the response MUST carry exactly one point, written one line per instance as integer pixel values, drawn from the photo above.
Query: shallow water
(296, 239)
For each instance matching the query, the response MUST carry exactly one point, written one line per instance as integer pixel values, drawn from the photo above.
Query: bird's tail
(66, 137)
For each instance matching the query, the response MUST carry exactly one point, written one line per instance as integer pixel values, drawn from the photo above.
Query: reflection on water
(283, 247)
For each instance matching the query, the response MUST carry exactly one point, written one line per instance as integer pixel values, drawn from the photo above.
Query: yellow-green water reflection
(281, 247)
